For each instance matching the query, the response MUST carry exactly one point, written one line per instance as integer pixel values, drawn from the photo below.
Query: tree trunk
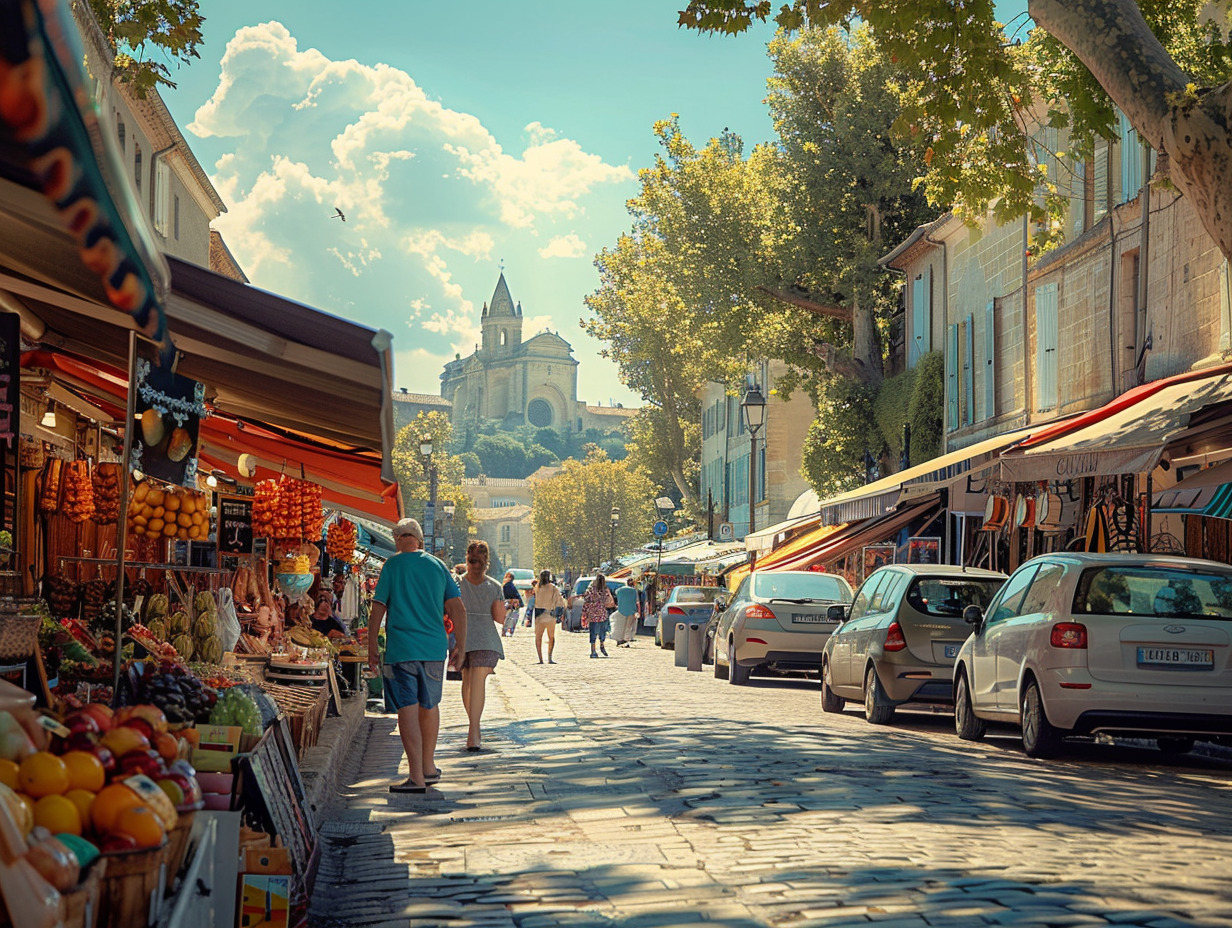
(1195, 130)
(795, 299)
(866, 343)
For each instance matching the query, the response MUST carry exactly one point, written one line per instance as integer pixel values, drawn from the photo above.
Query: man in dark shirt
(513, 603)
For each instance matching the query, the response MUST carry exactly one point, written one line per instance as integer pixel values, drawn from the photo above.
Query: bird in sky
(338, 214)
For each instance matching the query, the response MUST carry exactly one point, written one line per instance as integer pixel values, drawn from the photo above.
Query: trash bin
(682, 644)
(694, 655)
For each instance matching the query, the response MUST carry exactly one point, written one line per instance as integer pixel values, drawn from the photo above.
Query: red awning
(350, 479)
(855, 536)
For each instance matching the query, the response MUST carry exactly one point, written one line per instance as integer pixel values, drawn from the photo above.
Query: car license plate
(951, 651)
(809, 618)
(1177, 657)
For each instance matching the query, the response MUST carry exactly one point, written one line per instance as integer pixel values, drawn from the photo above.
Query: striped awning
(1206, 493)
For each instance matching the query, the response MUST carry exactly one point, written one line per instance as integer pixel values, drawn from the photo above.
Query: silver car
(685, 604)
(898, 641)
(1077, 644)
(777, 621)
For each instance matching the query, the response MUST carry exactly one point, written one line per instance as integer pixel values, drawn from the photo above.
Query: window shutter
(990, 360)
(968, 372)
(926, 329)
(951, 377)
(1046, 345)
(1225, 306)
(914, 350)
(1131, 160)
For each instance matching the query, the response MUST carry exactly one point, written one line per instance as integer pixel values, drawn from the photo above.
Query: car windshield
(582, 584)
(1145, 589)
(951, 595)
(694, 594)
(792, 586)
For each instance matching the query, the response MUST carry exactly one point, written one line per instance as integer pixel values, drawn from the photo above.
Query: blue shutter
(918, 322)
(990, 360)
(951, 377)
(968, 372)
(1131, 160)
(1046, 345)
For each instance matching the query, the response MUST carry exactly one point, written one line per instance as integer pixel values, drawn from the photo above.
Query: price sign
(234, 525)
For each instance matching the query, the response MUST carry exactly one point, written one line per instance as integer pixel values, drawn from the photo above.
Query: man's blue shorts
(414, 683)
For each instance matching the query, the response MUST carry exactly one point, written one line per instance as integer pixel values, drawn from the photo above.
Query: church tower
(502, 323)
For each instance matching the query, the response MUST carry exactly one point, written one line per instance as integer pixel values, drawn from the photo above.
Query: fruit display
(287, 509)
(95, 594)
(235, 707)
(307, 637)
(77, 498)
(182, 696)
(341, 539)
(50, 485)
(62, 596)
(106, 493)
(157, 645)
(173, 512)
(207, 646)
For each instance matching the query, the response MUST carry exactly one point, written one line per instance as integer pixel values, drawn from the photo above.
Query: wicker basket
(32, 454)
(18, 636)
(132, 888)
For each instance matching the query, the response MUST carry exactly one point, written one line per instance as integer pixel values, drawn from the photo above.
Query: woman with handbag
(549, 607)
(597, 604)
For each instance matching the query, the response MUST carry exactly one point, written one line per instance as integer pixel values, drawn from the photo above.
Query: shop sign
(168, 410)
(234, 525)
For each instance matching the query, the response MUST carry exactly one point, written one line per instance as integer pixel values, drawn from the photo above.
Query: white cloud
(563, 246)
(533, 325)
(419, 370)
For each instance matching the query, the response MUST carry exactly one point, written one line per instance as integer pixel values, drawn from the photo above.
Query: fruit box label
(219, 743)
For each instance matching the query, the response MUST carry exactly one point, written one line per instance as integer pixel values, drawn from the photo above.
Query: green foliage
(572, 512)
(413, 478)
(137, 29)
(926, 408)
(651, 449)
(471, 465)
(506, 455)
(890, 411)
(844, 430)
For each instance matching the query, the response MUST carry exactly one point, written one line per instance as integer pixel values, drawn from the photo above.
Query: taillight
(758, 611)
(894, 640)
(1068, 635)
(675, 610)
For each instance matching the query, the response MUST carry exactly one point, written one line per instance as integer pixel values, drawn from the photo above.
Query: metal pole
(122, 524)
(432, 491)
(752, 474)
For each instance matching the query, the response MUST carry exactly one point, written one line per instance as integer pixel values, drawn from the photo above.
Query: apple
(148, 762)
(103, 714)
(106, 758)
(81, 741)
(118, 844)
(175, 792)
(124, 740)
(153, 715)
(82, 721)
(139, 724)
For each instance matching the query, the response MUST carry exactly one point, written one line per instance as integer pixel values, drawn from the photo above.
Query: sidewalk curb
(321, 766)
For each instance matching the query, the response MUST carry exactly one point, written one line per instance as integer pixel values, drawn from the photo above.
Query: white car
(1079, 644)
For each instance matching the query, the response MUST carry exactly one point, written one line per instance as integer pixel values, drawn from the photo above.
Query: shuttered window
(1225, 306)
(1131, 160)
(968, 371)
(990, 360)
(162, 197)
(921, 317)
(1046, 346)
(951, 377)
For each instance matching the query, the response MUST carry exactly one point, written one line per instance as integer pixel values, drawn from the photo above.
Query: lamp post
(425, 449)
(611, 549)
(754, 407)
(450, 508)
(664, 507)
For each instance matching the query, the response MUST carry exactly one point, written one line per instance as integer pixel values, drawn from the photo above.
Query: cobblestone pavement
(630, 792)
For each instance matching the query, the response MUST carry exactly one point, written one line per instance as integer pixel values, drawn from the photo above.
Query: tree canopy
(141, 32)
(972, 91)
(413, 477)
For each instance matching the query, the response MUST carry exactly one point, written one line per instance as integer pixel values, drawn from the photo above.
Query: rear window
(826, 587)
(951, 595)
(695, 594)
(582, 584)
(1143, 589)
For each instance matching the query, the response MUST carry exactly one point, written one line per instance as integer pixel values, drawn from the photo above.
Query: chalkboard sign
(234, 525)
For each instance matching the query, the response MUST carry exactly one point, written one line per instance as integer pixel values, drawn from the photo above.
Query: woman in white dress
(484, 599)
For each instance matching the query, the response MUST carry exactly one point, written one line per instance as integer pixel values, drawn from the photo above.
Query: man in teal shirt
(416, 590)
(626, 613)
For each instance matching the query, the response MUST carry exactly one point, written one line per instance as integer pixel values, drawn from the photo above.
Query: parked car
(899, 638)
(684, 604)
(1078, 644)
(572, 621)
(777, 621)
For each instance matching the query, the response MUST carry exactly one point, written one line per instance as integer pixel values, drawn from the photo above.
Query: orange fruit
(167, 745)
(109, 803)
(141, 824)
(83, 799)
(85, 771)
(29, 804)
(9, 774)
(58, 814)
(43, 774)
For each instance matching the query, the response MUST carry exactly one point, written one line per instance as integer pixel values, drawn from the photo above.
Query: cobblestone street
(629, 792)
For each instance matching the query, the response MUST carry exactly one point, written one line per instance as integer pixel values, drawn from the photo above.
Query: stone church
(515, 381)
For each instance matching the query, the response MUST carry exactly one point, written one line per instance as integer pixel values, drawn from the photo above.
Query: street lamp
(664, 507)
(450, 508)
(611, 550)
(429, 528)
(754, 407)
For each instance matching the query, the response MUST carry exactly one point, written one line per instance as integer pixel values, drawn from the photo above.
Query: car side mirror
(973, 615)
(837, 613)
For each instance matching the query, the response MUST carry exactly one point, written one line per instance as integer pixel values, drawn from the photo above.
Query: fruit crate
(81, 905)
(132, 888)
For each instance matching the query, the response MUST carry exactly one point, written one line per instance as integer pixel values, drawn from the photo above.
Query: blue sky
(450, 142)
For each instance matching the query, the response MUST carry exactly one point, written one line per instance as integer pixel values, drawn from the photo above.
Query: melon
(183, 645)
(210, 651)
(203, 603)
(179, 623)
(204, 627)
(158, 628)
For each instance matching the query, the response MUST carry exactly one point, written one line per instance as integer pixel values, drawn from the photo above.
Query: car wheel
(969, 726)
(1175, 744)
(720, 670)
(830, 701)
(736, 675)
(1039, 737)
(877, 708)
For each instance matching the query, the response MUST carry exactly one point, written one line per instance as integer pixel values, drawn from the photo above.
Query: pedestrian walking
(596, 604)
(415, 590)
(530, 603)
(550, 607)
(484, 600)
(626, 613)
(513, 605)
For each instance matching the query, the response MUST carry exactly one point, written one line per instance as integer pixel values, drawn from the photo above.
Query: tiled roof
(495, 482)
(501, 514)
(420, 399)
(502, 302)
(610, 410)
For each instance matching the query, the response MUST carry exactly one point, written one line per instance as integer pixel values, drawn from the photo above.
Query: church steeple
(501, 321)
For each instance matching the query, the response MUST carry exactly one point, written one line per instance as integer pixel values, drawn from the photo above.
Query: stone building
(518, 382)
(502, 515)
